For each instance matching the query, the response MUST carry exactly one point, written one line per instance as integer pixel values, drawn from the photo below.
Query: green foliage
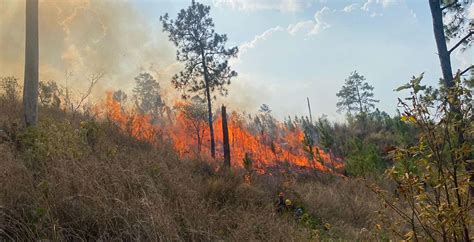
(34, 147)
(310, 222)
(10, 87)
(433, 174)
(356, 95)
(50, 94)
(202, 50)
(91, 132)
(458, 23)
(147, 95)
(363, 160)
(325, 131)
(52, 140)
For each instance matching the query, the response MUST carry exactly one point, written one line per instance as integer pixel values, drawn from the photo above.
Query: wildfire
(191, 138)
(137, 125)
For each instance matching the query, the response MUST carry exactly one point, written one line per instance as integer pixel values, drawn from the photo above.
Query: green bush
(10, 88)
(51, 140)
(91, 132)
(363, 160)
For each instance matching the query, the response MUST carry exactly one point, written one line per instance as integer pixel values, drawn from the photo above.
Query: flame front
(137, 125)
(191, 139)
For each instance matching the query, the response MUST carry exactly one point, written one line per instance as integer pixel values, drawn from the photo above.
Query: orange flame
(285, 146)
(137, 125)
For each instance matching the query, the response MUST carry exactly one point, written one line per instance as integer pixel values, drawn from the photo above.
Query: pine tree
(356, 95)
(204, 54)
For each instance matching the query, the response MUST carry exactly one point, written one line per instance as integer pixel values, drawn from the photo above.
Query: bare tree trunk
(359, 100)
(225, 134)
(30, 86)
(443, 53)
(446, 69)
(199, 140)
(209, 111)
(209, 104)
(309, 108)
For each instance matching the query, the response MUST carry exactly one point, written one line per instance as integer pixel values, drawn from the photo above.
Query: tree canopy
(356, 95)
(147, 95)
(204, 54)
(201, 49)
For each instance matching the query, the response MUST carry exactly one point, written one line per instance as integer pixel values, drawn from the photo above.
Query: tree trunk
(359, 100)
(225, 135)
(443, 53)
(199, 140)
(446, 69)
(30, 86)
(309, 108)
(209, 109)
(332, 161)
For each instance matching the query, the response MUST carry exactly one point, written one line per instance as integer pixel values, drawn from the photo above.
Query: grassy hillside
(79, 178)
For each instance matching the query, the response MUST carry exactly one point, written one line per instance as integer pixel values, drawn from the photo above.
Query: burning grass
(89, 180)
(284, 146)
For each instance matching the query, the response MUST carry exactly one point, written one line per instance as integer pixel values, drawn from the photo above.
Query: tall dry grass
(85, 180)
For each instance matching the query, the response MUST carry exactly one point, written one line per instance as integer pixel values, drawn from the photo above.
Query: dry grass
(346, 204)
(63, 186)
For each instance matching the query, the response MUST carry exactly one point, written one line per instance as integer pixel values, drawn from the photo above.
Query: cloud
(243, 48)
(366, 5)
(311, 27)
(413, 14)
(293, 29)
(374, 15)
(256, 5)
(387, 3)
(375, 7)
(308, 28)
(369, 4)
(350, 8)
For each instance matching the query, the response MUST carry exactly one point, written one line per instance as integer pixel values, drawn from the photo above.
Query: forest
(100, 161)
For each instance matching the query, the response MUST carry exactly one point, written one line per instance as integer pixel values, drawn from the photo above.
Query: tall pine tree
(204, 54)
(356, 95)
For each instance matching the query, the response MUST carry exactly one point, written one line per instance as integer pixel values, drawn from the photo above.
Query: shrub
(49, 141)
(433, 175)
(364, 160)
(11, 88)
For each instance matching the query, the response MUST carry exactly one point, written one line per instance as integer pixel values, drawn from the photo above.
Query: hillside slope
(77, 178)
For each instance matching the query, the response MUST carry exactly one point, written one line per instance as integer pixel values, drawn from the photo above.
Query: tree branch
(93, 79)
(460, 42)
(466, 70)
(449, 5)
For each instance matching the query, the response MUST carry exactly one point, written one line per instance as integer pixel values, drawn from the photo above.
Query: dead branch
(461, 41)
(466, 70)
(93, 79)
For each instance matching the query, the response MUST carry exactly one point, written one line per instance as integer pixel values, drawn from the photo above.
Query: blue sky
(293, 49)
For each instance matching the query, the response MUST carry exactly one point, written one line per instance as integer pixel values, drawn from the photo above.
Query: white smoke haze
(83, 37)
(79, 38)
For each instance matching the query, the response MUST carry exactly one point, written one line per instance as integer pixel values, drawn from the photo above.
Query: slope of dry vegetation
(82, 179)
